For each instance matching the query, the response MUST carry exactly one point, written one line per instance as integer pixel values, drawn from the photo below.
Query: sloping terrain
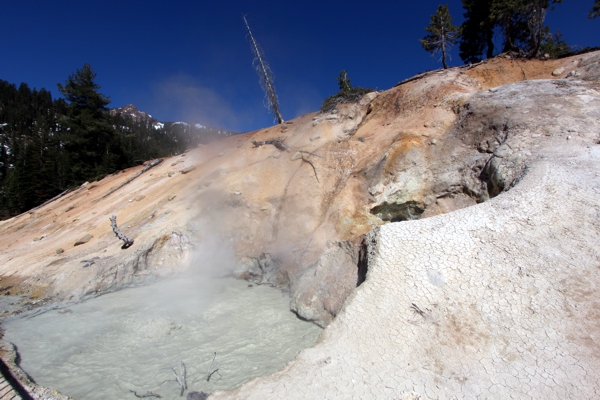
(496, 299)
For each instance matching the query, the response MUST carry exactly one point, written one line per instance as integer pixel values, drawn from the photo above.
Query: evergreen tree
(520, 22)
(555, 46)
(442, 34)
(344, 82)
(595, 10)
(347, 93)
(89, 134)
(477, 31)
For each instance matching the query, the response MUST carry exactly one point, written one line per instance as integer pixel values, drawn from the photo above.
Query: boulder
(83, 240)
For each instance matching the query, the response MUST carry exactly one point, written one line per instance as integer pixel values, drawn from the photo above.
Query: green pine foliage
(520, 24)
(555, 46)
(88, 134)
(595, 12)
(442, 34)
(477, 31)
(48, 146)
(347, 93)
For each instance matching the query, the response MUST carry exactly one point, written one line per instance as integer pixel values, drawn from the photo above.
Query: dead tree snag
(127, 242)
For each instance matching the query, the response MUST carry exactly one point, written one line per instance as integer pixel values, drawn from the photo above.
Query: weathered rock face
(294, 219)
(498, 300)
(318, 294)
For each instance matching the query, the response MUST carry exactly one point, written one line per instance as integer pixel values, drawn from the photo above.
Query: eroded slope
(498, 300)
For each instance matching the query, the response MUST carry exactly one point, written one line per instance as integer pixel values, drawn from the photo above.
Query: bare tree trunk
(536, 26)
(444, 38)
(265, 75)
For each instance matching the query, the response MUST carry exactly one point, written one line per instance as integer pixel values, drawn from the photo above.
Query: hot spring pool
(126, 341)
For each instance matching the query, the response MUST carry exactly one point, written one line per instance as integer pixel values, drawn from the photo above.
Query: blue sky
(191, 60)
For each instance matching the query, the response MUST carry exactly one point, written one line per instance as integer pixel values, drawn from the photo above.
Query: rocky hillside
(495, 299)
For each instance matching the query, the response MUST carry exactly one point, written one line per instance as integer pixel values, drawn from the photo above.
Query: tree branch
(275, 142)
(127, 242)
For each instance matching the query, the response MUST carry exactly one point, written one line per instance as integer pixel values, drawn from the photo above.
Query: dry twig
(147, 394)
(311, 153)
(417, 310)
(312, 165)
(208, 373)
(278, 143)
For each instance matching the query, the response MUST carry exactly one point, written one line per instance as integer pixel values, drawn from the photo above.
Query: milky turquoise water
(130, 340)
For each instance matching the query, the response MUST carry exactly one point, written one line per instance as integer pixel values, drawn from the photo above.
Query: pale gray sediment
(129, 340)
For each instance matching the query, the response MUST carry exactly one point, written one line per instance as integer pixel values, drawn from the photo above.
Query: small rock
(197, 396)
(69, 208)
(314, 137)
(296, 156)
(83, 240)
(221, 154)
(434, 142)
(171, 173)
(568, 138)
(558, 72)
(38, 238)
(59, 250)
(188, 169)
(139, 198)
(328, 360)
(332, 117)
(361, 139)
(171, 197)
(503, 151)
(426, 125)
(494, 90)
(334, 111)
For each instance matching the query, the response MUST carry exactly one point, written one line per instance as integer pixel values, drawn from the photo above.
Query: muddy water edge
(195, 335)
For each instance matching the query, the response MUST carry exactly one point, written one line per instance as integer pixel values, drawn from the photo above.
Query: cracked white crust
(499, 300)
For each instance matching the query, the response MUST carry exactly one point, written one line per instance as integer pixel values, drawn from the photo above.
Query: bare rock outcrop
(318, 294)
(497, 300)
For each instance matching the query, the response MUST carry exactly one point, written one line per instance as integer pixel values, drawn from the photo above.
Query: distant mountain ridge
(196, 132)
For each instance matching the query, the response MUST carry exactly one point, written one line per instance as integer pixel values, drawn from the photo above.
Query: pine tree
(595, 12)
(442, 34)
(554, 46)
(344, 82)
(89, 134)
(520, 22)
(477, 31)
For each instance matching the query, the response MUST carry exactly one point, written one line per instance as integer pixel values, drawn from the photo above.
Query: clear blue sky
(191, 60)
